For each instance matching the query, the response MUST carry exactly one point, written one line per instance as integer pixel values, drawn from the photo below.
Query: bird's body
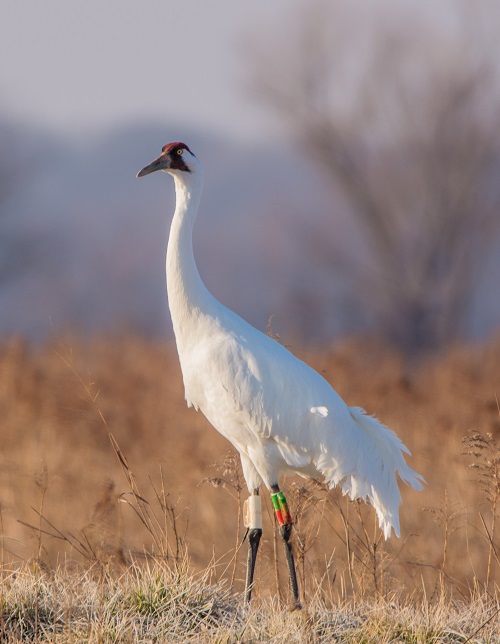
(279, 413)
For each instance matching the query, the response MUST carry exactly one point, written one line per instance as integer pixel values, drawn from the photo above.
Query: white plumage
(280, 414)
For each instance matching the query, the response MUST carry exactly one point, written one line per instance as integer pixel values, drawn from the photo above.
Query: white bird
(280, 414)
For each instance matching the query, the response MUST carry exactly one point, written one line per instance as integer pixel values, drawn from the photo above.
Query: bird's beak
(161, 163)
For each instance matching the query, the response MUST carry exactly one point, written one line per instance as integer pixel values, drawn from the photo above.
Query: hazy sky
(86, 68)
(87, 64)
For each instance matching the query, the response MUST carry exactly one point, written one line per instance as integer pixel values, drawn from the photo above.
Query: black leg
(285, 528)
(285, 532)
(253, 522)
(254, 536)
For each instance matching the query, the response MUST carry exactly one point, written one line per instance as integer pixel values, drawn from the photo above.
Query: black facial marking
(176, 156)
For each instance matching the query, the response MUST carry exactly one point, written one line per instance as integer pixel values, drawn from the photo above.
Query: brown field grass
(61, 481)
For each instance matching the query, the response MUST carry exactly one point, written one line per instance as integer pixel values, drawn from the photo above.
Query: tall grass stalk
(485, 452)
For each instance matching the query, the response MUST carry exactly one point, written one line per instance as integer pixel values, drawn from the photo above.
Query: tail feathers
(374, 457)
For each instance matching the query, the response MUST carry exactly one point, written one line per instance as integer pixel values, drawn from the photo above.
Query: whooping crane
(280, 414)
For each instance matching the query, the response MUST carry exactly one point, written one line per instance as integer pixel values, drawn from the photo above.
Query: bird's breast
(222, 379)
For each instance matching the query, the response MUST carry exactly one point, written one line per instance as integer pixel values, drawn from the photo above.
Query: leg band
(281, 508)
(252, 512)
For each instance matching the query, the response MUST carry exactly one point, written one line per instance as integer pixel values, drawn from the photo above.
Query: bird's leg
(285, 528)
(253, 523)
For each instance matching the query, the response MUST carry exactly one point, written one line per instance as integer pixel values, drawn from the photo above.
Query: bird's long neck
(187, 295)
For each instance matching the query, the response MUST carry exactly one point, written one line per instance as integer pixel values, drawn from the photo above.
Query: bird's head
(175, 158)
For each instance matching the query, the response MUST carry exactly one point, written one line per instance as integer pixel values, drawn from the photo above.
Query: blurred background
(352, 156)
(352, 159)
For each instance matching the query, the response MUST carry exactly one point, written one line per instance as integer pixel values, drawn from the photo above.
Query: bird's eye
(180, 151)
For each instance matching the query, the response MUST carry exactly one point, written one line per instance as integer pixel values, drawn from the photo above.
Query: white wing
(283, 415)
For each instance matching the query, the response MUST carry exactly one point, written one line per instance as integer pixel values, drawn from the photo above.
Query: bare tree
(409, 131)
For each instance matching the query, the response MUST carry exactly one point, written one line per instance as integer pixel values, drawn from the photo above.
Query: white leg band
(252, 512)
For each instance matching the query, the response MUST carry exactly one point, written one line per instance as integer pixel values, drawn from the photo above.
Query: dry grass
(84, 519)
(154, 602)
(151, 603)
